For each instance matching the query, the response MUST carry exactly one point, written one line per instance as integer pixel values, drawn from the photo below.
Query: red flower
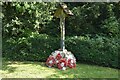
(58, 57)
(50, 61)
(71, 63)
(62, 63)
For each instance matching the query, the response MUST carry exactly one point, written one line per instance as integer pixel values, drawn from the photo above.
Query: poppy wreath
(58, 57)
(50, 61)
(61, 59)
(71, 63)
(62, 64)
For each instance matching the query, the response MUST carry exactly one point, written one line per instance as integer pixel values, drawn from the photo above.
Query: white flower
(57, 61)
(62, 64)
(71, 61)
(50, 61)
(71, 64)
(49, 66)
(64, 68)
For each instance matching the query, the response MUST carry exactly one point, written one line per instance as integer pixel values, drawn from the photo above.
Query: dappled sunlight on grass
(27, 69)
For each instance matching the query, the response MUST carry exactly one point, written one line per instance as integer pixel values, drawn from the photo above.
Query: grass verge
(29, 69)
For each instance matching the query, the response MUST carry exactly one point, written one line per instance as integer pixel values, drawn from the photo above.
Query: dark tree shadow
(6, 66)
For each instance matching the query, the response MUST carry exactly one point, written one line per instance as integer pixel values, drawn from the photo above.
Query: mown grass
(27, 69)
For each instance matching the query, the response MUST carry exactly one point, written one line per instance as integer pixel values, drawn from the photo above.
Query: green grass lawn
(27, 69)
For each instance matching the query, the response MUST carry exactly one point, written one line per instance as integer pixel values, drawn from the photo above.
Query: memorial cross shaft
(62, 12)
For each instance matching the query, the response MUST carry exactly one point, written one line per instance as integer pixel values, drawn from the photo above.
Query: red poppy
(58, 57)
(62, 63)
(50, 61)
(71, 63)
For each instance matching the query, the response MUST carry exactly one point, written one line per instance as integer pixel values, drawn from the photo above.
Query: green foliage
(30, 31)
(36, 47)
(111, 27)
(94, 18)
(98, 50)
(21, 18)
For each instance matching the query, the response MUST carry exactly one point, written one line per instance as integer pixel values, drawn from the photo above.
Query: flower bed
(62, 59)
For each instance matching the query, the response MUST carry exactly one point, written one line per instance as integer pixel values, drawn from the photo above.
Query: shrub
(36, 47)
(98, 50)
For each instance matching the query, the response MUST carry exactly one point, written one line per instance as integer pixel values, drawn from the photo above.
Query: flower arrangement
(62, 59)
(62, 64)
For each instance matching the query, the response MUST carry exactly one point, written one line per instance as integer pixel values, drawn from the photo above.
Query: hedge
(98, 50)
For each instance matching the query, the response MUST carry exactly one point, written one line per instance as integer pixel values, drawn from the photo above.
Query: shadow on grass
(86, 71)
(69, 73)
(6, 66)
(81, 70)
